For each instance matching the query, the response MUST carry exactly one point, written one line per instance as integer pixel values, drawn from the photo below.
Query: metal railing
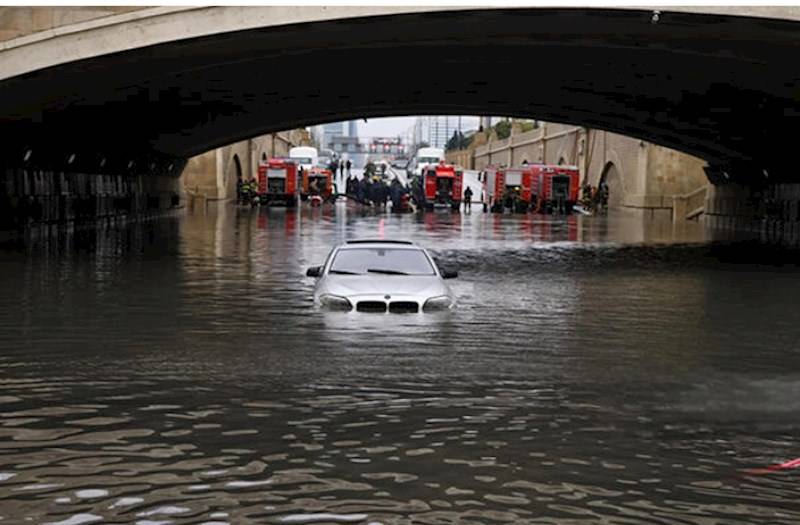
(689, 206)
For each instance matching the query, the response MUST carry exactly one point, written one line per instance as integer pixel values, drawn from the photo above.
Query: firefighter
(395, 192)
(239, 190)
(245, 191)
(516, 200)
(362, 190)
(510, 199)
(253, 189)
(384, 194)
(369, 170)
(468, 199)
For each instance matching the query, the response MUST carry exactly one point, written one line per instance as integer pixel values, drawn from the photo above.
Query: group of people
(372, 189)
(246, 190)
(511, 199)
(595, 198)
(340, 166)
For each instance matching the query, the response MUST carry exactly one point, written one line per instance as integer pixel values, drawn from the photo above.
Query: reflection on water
(597, 370)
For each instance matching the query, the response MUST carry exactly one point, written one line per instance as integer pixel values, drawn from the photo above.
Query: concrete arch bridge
(139, 92)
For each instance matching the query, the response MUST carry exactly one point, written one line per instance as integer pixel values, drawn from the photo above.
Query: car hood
(350, 285)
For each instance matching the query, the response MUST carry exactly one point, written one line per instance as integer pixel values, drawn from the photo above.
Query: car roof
(385, 243)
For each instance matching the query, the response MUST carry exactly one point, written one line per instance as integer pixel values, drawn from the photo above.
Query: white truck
(304, 156)
(424, 157)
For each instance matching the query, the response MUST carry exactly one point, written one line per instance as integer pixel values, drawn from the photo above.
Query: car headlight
(335, 302)
(441, 302)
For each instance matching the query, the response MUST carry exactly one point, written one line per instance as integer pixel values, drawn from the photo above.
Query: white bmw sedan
(381, 276)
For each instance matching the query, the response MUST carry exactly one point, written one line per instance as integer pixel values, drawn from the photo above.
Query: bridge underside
(722, 88)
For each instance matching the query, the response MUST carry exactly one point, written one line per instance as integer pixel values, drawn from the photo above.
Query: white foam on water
(77, 519)
(240, 484)
(167, 510)
(125, 502)
(40, 486)
(323, 516)
(91, 493)
(6, 475)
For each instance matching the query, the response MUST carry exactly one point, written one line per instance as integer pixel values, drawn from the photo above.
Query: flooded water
(596, 370)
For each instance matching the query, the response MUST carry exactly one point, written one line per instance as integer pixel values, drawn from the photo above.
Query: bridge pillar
(46, 193)
(772, 210)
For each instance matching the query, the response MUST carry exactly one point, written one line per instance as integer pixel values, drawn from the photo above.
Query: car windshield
(388, 261)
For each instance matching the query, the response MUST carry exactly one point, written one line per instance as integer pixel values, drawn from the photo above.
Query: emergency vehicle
(557, 188)
(487, 179)
(442, 186)
(277, 182)
(317, 184)
(514, 185)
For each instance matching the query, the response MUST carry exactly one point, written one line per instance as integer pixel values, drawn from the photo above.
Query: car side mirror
(449, 274)
(314, 271)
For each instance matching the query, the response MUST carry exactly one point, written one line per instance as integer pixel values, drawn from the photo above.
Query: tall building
(328, 134)
(437, 130)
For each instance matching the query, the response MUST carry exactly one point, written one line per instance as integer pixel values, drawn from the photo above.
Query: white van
(304, 156)
(424, 157)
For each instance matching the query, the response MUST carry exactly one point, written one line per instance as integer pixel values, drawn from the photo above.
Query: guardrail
(690, 205)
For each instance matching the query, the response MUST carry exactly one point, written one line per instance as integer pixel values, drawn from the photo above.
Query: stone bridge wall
(212, 176)
(21, 21)
(642, 176)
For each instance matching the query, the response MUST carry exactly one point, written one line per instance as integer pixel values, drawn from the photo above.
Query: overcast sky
(394, 126)
(385, 127)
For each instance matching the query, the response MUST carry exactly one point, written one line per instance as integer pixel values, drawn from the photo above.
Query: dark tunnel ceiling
(718, 87)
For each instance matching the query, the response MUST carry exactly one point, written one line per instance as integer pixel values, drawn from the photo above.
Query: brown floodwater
(597, 370)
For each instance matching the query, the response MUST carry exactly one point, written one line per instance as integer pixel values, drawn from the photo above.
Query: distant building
(437, 130)
(329, 134)
(389, 147)
(343, 145)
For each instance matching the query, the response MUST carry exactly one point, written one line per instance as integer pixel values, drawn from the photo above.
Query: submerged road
(596, 370)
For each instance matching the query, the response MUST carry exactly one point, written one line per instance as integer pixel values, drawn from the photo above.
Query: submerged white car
(381, 276)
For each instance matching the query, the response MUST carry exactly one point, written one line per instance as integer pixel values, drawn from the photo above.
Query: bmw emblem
(387, 297)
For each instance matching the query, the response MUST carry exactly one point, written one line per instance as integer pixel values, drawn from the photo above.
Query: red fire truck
(277, 182)
(317, 184)
(557, 188)
(442, 184)
(487, 179)
(513, 187)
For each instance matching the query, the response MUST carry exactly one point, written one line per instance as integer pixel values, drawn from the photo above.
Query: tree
(454, 142)
(503, 129)
(458, 141)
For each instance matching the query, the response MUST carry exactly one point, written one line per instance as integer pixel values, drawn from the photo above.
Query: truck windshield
(302, 160)
(381, 261)
(429, 160)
